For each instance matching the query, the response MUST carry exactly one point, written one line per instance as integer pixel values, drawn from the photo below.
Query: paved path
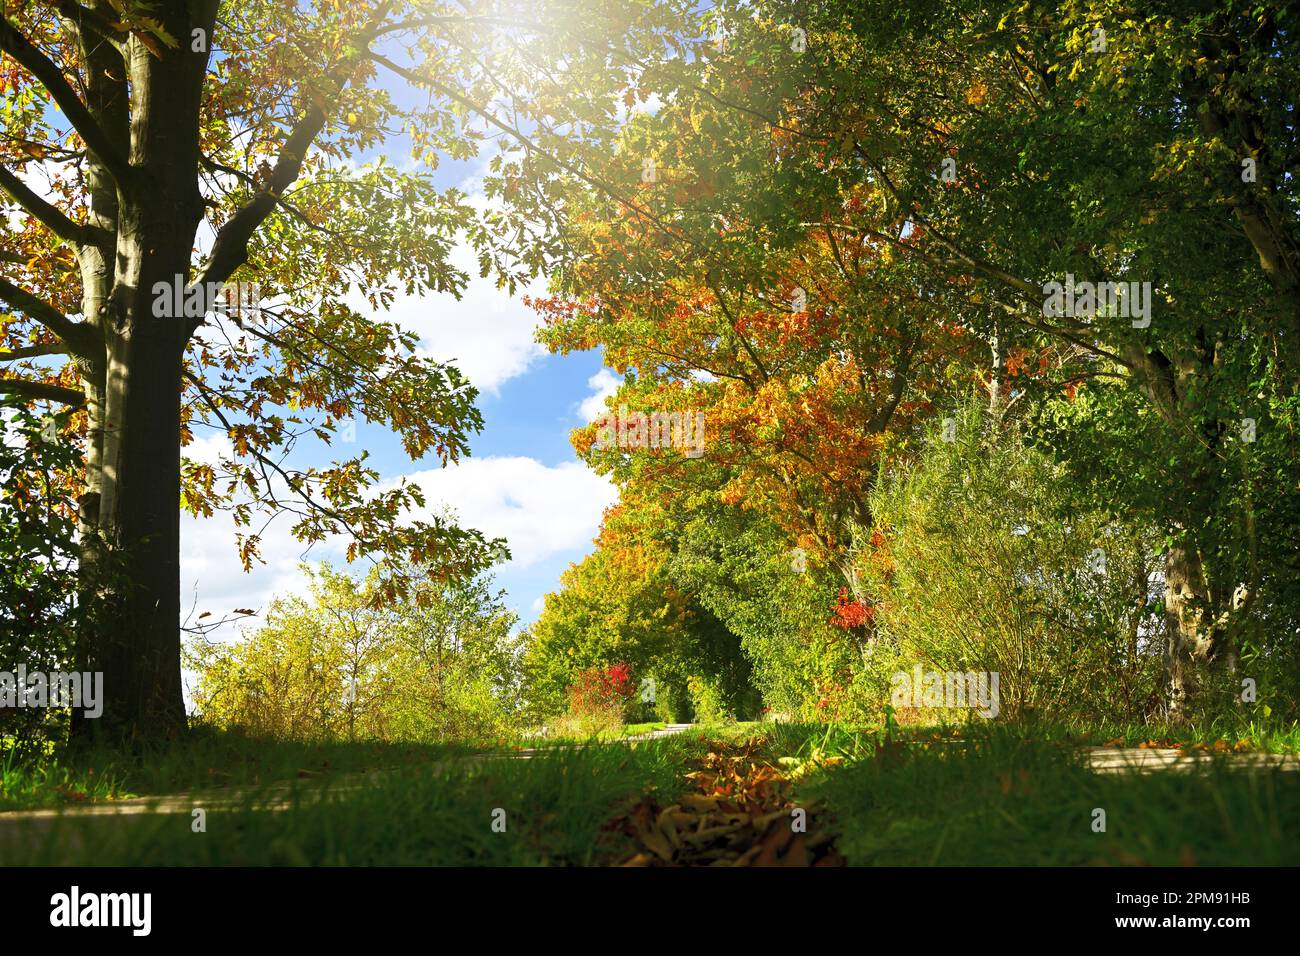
(666, 731)
(1151, 759)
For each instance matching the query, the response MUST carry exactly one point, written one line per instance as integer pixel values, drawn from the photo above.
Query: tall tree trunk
(132, 554)
(1189, 629)
(131, 512)
(137, 638)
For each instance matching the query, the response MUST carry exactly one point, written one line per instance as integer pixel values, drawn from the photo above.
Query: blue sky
(521, 482)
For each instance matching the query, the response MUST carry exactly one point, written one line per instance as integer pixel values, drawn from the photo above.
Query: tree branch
(32, 351)
(230, 250)
(297, 488)
(79, 337)
(50, 76)
(48, 215)
(523, 140)
(98, 23)
(30, 389)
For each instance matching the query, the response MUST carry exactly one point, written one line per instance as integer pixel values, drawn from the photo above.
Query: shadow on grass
(1003, 796)
(204, 759)
(547, 810)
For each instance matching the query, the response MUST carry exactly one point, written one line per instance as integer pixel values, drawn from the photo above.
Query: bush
(599, 698)
(38, 579)
(336, 667)
(982, 559)
(708, 702)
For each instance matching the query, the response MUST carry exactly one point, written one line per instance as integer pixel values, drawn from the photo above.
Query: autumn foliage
(601, 690)
(850, 613)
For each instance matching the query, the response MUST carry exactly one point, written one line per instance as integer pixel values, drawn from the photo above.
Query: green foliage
(822, 168)
(984, 557)
(619, 605)
(1241, 510)
(743, 570)
(38, 610)
(707, 702)
(335, 666)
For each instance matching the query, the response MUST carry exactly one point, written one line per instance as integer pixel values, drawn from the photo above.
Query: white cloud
(208, 448)
(605, 383)
(487, 333)
(540, 510)
(650, 105)
(213, 580)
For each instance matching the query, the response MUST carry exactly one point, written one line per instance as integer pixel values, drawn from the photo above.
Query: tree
(340, 665)
(189, 144)
(989, 555)
(968, 156)
(619, 606)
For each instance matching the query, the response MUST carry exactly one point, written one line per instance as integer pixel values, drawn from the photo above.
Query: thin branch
(78, 336)
(298, 488)
(230, 250)
(32, 351)
(50, 76)
(520, 137)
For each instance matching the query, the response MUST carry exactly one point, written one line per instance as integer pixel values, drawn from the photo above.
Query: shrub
(983, 558)
(38, 568)
(708, 702)
(334, 667)
(599, 697)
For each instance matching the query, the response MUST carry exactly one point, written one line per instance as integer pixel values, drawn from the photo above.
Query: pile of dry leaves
(743, 815)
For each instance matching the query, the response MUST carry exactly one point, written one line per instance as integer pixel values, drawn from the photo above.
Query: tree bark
(146, 217)
(1189, 632)
(136, 622)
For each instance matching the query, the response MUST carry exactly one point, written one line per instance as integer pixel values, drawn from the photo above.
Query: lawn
(999, 798)
(207, 759)
(500, 810)
(969, 795)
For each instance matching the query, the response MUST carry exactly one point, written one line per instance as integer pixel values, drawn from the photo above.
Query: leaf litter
(742, 813)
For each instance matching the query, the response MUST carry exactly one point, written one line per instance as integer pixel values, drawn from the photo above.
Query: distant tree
(341, 665)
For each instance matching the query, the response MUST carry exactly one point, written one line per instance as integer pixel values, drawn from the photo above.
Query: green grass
(205, 759)
(555, 805)
(52, 782)
(631, 730)
(999, 798)
(1263, 738)
(971, 794)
